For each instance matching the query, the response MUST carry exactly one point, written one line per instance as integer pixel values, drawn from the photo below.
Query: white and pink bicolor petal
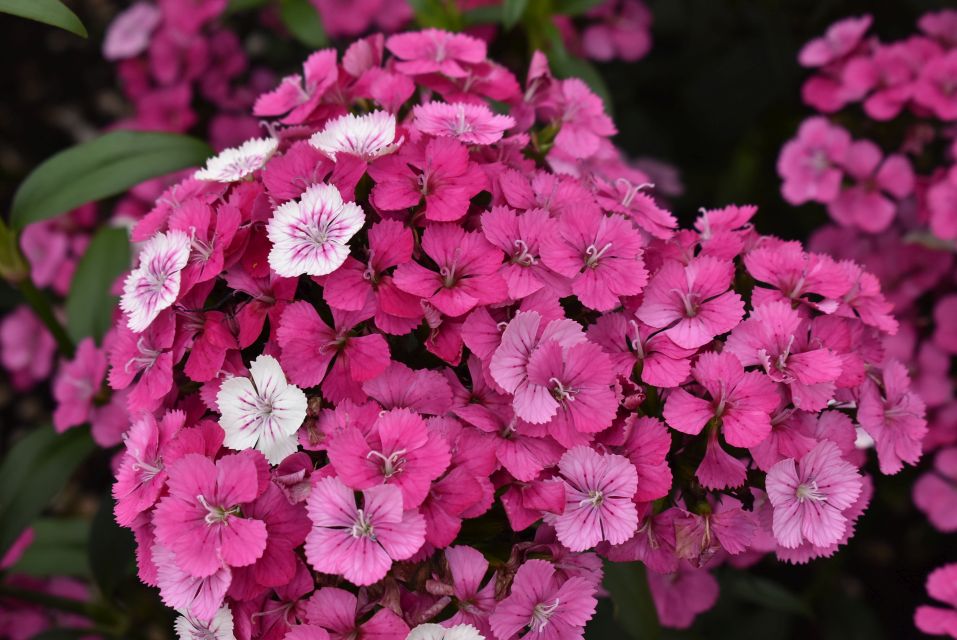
(154, 285)
(367, 136)
(235, 163)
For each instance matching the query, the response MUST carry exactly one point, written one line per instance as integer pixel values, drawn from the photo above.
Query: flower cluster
(412, 364)
(894, 199)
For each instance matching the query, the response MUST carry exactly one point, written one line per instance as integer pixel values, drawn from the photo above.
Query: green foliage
(765, 593)
(32, 472)
(634, 610)
(574, 7)
(58, 548)
(89, 305)
(111, 550)
(103, 167)
(303, 22)
(512, 12)
(51, 12)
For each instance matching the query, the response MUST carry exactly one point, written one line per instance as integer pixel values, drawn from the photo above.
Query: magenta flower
(811, 163)
(549, 608)
(894, 416)
(400, 450)
(466, 122)
(155, 284)
(582, 118)
(624, 31)
(473, 601)
(795, 274)
(776, 338)
(144, 362)
(519, 236)
(935, 619)
(809, 497)
(77, 386)
(866, 205)
(201, 521)
(841, 38)
(598, 499)
(681, 595)
(297, 96)
(360, 543)
(629, 344)
(141, 476)
(197, 597)
(339, 611)
(741, 401)
(935, 492)
(435, 51)
(467, 271)
(438, 170)
(692, 304)
(935, 86)
(600, 254)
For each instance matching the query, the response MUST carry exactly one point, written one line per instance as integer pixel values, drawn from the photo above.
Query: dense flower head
(406, 319)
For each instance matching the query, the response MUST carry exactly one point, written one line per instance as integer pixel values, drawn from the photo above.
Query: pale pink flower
(894, 416)
(234, 164)
(262, 411)
(935, 492)
(841, 38)
(680, 596)
(367, 136)
(129, 33)
(198, 597)
(432, 631)
(598, 499)
(436, 51)
(310, 236)
(466, 122)
(360, 544)
(810, 164)
(188, 627)
(938, 620)
(809, 497)
(155, 284)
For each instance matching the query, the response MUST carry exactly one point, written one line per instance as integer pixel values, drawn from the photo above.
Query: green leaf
(490, 14)
(89, 305)
(574, 7)
(32, 472)
(438, 14)
(111, 550)
(58, 548)
(303, 22)
(238, 6)
(765, 593)
(64, 634)
(512, 12)
(627, 582)
(51, 12)
(566, 65)
(100, 168)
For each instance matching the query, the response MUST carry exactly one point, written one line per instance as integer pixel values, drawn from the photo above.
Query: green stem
(41, 306)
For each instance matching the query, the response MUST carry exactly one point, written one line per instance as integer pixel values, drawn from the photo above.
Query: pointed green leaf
(100, 168)
(51, 12)
(111, 550)
(303, 22)
(512, 12)
(574, 7)
(627, 582)
(89, 305)
(765, 593)
(58, 549)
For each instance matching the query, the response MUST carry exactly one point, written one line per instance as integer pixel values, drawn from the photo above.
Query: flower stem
(40, 305)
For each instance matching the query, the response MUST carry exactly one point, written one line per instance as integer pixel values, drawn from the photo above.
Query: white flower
(263, 412)
(236, 163)
(438, 632)
(154, 285)
(219, 628)
(310, 236)
(368, 136)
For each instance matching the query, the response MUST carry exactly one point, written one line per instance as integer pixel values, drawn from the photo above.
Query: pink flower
(435, 51)
(600, 254)
(841, 38)
(155, 284)
(351, 18)
(742, 401)
(941, 586)
(310, 236)
(942, 205)
(680, 596)
(551, 609)
(466, 122)
(692, 304)
(935, 492)
(210, 233)
(473, 601)
(646, 446)
(220, 627)
(339, 612)
(367, 136)
(582, 118)
(811, 163)
(142, 474)
(935, 86)
(438, 170)
(468, 271)
(197, 597)
(419, 390)
(201, 520)
(360, 544)
(234, 164)
(262, 411)
(78, 385)
(809, 497)
(143, 361)
(865, 205)
(776, 338)
(598, 499)
(286, 529)
(297, 96)
(794, 274)
(519, 236)
(629, 344)
(624, 31)
(894, 416)
(129, 33)
(400, 451)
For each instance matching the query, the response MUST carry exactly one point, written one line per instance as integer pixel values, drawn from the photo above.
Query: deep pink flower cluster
(422, 355)
(900, 223)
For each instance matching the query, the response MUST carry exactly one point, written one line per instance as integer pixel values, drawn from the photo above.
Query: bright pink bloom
(297, 96)
(942, 205)
(624, 31)
(519, 236)
(468, 271)
(935, 86)
(155, 284)
(841, 38)
(629, 344)
(400, 451)
(144, 362)
(201, 520)
(360, 544)
(286, 529)
(78, 386)
(894, 416)
(810, 164)
(646, 446)
(466, 122)
(473, 601)
(742, 401)
(794, 274)
(680, 596)
(419, 390)
(810, 496)
(435, 51)
(339, 612)
(600, 254)
(598, 499)
(941, 586)
(199, 597)
(865, 204)
(692, 303)
(438, 170)
(142, 474)
(582, 118)
(935, 492)
(551, 609)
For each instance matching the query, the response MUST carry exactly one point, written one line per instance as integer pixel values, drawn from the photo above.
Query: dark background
(717, 97)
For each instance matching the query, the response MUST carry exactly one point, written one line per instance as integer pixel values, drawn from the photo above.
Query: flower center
(593, 254)
(391, 464)
(560, 392)
(146, 358)
(689, 301)
(541, 613)
(522, 255)
(216, 514)
(363, 527)
(595, 498)
(809, 491)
